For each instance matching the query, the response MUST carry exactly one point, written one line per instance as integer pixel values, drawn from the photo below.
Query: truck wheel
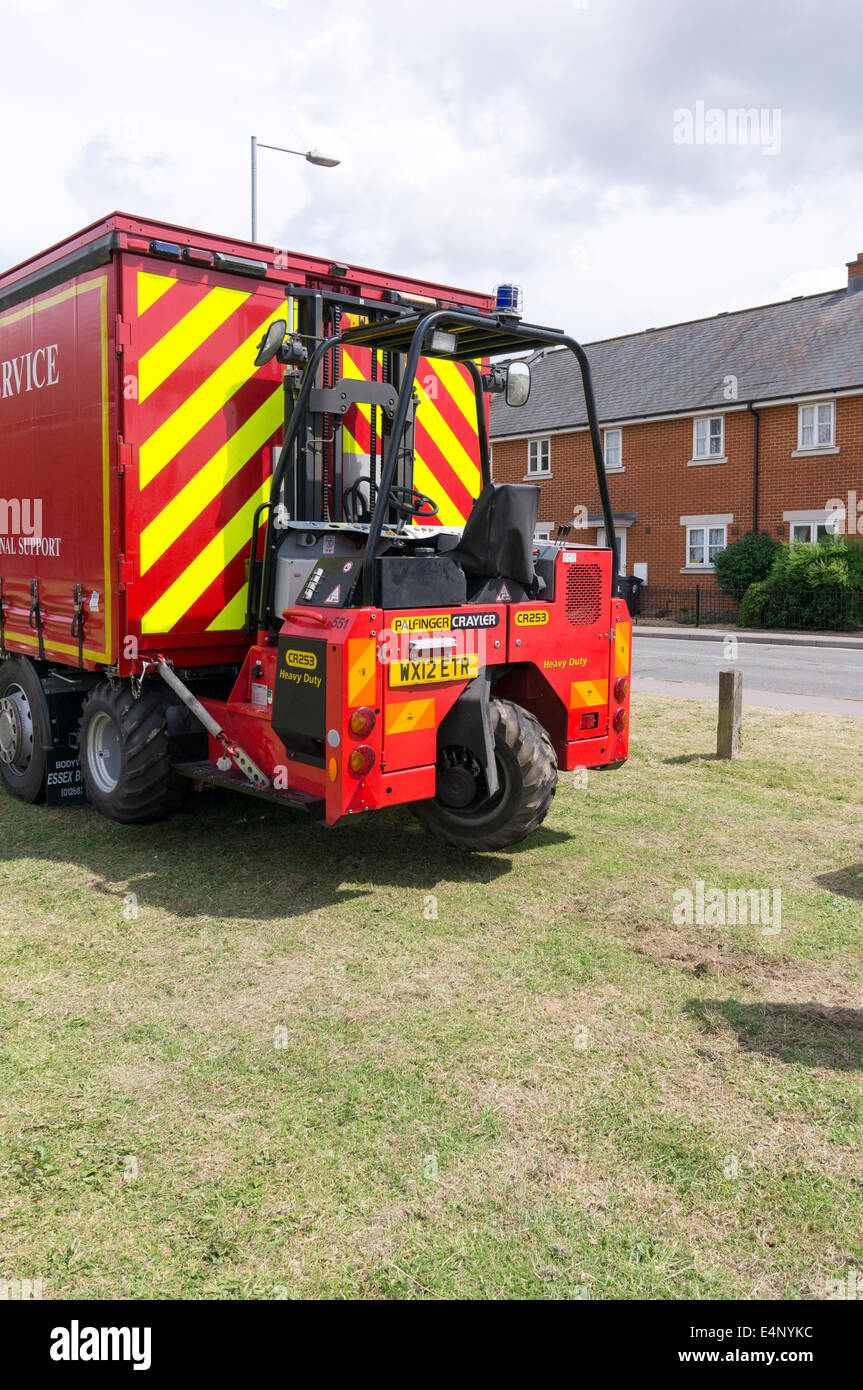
(461, 815)
(124, 751)
(23, 731)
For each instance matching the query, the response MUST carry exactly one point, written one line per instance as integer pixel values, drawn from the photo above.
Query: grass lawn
(355, 1063)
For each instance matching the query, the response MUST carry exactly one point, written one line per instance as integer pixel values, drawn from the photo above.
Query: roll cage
(476, 336)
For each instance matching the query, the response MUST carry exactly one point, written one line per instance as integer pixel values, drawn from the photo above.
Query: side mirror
(271, 342)
(517, 383)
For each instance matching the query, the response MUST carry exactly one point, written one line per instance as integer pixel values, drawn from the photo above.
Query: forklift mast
(339, 431)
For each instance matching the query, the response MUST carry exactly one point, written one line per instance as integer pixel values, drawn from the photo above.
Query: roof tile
(793, 348)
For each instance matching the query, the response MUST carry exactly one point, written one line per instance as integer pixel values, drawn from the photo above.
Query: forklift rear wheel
(463, 816)
(23, 731)
(124, 750)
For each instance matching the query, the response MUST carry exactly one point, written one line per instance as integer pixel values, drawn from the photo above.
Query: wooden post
(730, 714)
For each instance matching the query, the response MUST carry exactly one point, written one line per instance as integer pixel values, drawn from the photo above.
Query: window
(809, 531)
(812, 526)
(816, 425)
(703, 544)
(539, 456)
(708, 440)
(705, 537)
(613, 450)
(542, 533)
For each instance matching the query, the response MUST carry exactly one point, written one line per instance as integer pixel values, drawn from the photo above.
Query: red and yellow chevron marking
(588, 694)
(206, 419)
(408, 716)
(622, 649)
(361, 670)
(446, 461)
(357, 425)
(151, 288)
(204, 426)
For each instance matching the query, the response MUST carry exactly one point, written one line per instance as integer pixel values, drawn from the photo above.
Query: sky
(581, 148)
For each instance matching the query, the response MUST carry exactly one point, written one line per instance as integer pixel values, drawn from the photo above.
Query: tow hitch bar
(233, 751)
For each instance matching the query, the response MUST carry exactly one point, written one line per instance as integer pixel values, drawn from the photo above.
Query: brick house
(748, 420)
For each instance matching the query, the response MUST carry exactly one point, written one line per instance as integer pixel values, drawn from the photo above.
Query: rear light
(590, 721)
(361, 722)
(362, 760)
(618, 723)
(621, 686)
(196, 255)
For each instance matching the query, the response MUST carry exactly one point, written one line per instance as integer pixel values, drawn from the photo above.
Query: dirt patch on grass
(712, 956)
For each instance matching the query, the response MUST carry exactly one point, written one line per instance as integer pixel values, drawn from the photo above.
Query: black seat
(497, 541)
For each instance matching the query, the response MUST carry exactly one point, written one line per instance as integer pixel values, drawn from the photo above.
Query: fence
(822, 608)
(697, 606)
(690, 606)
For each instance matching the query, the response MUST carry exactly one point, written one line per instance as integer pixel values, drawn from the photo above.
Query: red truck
(249, 537)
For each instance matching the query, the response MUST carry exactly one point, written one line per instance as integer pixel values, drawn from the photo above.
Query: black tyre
(24, 731)
(125, 756)
(527, 773)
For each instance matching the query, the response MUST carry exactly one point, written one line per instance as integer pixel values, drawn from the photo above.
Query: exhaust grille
(583, 594)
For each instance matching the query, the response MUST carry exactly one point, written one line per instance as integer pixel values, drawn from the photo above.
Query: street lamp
(313, 157)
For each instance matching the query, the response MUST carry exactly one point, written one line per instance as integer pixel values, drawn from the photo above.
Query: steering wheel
(408, 502)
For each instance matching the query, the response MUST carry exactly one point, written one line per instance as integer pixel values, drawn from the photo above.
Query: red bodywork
(131, 412)
(563, 659)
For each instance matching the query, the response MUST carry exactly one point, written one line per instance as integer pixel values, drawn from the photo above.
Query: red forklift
(455, 670)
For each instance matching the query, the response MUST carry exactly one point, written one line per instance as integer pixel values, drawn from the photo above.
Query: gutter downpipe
(756, 422)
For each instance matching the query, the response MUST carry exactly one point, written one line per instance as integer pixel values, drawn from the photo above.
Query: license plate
(446, 668)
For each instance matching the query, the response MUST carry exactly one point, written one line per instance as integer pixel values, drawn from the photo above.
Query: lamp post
(312, 156)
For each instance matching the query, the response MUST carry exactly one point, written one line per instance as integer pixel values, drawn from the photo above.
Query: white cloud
(525, 143)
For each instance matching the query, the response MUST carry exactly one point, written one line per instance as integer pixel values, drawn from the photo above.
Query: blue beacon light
(508, 300)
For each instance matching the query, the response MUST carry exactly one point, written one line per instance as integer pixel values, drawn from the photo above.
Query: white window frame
(709, 455)
(542, 532)
(535, 452)
(613, 467)
(832, 523)
(705, 544)
(810, 527)
(704, 524)
(816, 445)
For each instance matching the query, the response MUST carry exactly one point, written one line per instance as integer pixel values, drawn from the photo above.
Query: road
(824, 680)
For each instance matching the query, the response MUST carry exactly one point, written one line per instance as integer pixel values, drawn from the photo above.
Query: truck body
(137, 437)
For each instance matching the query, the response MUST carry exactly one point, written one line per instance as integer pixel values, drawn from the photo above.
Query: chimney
(855, 274)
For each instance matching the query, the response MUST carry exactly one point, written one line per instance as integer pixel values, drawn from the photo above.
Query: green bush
(745, 562)
(810, 586)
